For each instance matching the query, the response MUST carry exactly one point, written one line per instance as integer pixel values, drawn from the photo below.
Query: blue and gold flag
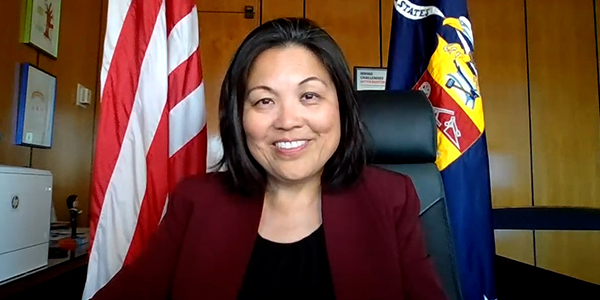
(431, 49)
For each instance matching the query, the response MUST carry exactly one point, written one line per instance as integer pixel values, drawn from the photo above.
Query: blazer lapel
(221, 245)
(362, 265)
(361, 256)
(238, 241)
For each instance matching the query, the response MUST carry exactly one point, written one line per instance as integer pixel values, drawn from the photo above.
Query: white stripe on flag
(186, 119)
(183, 40)
(127, 186)
(151, 97)
(117, 10)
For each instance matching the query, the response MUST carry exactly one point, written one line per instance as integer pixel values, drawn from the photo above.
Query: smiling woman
(292, 122)
(297, 214)
(287, 74)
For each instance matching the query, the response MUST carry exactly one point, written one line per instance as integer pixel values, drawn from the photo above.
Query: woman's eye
(310, 96)
(264, 101)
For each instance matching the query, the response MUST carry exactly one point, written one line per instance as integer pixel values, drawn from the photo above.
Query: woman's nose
(288, 115)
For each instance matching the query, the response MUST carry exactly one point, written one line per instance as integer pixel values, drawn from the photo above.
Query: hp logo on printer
(15, 202)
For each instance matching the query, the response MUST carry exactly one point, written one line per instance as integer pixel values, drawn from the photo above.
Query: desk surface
(54, 268)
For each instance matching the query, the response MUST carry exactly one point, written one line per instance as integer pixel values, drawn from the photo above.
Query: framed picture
(370, 78)
(35, 115)
(41, 25)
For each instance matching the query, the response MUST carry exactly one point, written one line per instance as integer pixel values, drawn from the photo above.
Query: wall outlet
(84, 96)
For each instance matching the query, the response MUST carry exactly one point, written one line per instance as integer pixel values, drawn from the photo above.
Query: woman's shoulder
(209, 186)
(388, 187)
(375, 176)
(210, 181)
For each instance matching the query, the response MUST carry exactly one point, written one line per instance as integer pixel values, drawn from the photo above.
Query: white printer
(25, 209)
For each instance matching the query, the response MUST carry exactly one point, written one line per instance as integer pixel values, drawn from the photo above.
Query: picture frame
(36, 107)
(41, 25)
(370, 78)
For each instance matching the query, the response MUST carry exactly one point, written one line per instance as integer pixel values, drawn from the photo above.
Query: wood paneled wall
(354, 27)
(227, 6)
(13, 53)
(501, 57)
(539, 81)
(272, 9)
(387, 9)
(574, 253)
(564, 103)
(223, 27)
(565, 128)
(70, 158)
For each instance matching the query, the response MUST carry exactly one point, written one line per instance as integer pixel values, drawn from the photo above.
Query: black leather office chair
(401, 135)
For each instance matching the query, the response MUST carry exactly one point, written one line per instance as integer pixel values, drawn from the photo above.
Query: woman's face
(291, 114)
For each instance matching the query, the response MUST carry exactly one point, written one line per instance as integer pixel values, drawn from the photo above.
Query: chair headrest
(399, 127)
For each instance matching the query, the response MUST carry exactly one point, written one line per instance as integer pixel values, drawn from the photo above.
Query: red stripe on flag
(184, 80)
(189, 160)
(451, 120)
(120, 86)
(157, 189)
(176, 10)
(118, 97)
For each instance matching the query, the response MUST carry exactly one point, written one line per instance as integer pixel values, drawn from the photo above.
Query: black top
(298, 270)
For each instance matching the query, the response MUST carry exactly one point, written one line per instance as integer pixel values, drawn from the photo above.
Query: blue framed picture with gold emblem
(37, 101)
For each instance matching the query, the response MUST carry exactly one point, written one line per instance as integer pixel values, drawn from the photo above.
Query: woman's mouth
(291, 145)
(291, 149)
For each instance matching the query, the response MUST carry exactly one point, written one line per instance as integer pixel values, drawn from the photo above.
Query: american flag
(151, 129)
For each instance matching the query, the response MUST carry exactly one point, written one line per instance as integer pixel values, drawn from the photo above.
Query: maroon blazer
(203, 245)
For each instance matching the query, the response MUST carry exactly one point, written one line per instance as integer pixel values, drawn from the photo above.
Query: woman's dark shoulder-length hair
(244, 173)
